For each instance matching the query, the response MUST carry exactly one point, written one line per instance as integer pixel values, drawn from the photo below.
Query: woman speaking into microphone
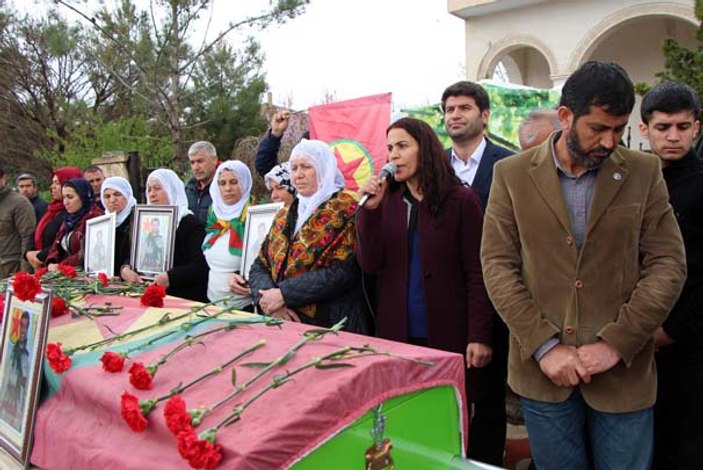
(420, 233)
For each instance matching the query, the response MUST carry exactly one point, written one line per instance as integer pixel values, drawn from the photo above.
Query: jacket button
(569, 241)
(427, 274)
(569, 330)
(578, 284)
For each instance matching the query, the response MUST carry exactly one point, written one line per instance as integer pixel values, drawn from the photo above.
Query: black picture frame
(153, 239)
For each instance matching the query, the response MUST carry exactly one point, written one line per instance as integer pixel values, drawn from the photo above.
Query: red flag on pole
(356, 132)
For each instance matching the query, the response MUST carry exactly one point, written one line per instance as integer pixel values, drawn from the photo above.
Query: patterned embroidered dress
(327, 237)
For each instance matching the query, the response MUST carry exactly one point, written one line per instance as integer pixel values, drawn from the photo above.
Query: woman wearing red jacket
(79, 204)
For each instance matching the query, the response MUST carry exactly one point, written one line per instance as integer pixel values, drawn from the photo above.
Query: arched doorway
(636, 44)
(522, 65)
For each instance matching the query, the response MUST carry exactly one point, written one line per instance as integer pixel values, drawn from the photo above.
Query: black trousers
(488, 424)
(678, 412)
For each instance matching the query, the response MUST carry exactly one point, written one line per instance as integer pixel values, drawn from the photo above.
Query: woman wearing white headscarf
(306, 270)
(117, 197)
(224, 233)
(188, 276)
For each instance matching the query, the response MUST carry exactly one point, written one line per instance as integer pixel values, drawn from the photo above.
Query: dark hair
(2, 170)
(471, 89)
(435, 175)
(670, 98)
(93, 169)
(602, 84)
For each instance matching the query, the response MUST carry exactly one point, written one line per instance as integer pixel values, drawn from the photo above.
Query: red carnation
(141, 377)
(26, 286)
(177, 416)
(57, 359)
(112, 362)
(200, 453)
(134, 412)
(102, 277)
(66, 270)
(153, 296)
(58, 307)
(39, 273)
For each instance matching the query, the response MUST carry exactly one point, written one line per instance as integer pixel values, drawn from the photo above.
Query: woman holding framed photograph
(306, 270)
(224, 233)
(117, 197)
(80, 206)
(188, 276)
(48, 226)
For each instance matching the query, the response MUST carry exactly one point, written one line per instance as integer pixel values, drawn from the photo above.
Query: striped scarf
(215, 228)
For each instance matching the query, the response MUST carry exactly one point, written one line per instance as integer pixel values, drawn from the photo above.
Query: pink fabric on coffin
(81, 427)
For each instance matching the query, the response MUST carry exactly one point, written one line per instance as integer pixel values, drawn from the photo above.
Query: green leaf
(289, 355)
(335, 365)
(256, 365)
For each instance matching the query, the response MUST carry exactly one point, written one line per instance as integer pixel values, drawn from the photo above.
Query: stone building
(540, 43)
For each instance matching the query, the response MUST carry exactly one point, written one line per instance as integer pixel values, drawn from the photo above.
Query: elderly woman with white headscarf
(188, 276)
(117, 197)
(306, 270)
(224, 233)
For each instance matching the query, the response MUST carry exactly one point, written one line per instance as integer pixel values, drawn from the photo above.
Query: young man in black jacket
(670, 121)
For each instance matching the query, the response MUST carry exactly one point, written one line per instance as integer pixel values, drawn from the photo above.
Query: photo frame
(24, 335)
(99, 250)
(153, 237)
(256, 228)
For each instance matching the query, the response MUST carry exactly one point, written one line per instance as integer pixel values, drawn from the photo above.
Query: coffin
(318, 419)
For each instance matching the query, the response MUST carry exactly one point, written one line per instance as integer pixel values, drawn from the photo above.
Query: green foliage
(90, 139)
(509, 106)
(682, 64)
(129, 78)
(230, 85)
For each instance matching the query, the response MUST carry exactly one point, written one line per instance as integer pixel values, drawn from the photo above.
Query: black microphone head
(387, 170)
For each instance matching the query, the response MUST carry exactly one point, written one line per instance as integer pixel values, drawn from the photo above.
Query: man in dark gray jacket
(17, 224)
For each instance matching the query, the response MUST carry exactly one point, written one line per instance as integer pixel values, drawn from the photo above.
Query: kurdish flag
(356, 132)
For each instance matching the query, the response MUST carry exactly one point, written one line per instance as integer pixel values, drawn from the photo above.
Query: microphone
(387, 171)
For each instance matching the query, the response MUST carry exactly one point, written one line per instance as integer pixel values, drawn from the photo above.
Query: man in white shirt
(466, 109)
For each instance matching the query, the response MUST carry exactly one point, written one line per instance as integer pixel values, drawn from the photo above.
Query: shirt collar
(475, 157)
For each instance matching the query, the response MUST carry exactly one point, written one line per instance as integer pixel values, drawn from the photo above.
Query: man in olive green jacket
(17, 224)
(583, 259)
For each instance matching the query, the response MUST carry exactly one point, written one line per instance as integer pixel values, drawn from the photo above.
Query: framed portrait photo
(259, 221)
(24, 333)
(100, 245)
(153, 237)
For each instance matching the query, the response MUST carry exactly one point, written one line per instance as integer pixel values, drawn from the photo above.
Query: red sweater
(74, 256)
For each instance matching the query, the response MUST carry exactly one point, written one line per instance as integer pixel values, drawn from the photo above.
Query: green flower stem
(182, 388)
(164, 320)
(92, 312)
(279, 380)
(327, 361)
(310, 335)
(367, 351)
(188, 340)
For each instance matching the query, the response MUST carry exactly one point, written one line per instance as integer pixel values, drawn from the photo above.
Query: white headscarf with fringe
(222, 210)
(175, 190)
(328, 183)
(123, 187)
